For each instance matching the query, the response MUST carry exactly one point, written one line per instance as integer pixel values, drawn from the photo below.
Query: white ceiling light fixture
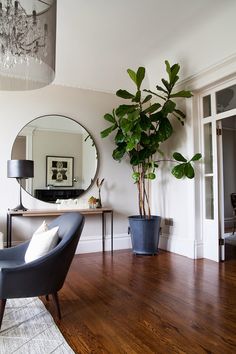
(27, 44)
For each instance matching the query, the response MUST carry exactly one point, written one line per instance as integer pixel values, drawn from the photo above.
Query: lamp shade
(27, 44)
(20, 168)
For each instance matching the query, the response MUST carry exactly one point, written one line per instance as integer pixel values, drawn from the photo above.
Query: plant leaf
(109, 118)
(132, 75)
(178, 157)
(125, 109)
(166, 84)
(136, 176)
(137, 97)
(119, 138)
(168, 107)
(174, 71)
(168, 69)
(165, 130)
(147, 98)
(124, 94)
(154, 107)
(140, 76)
(119, 152)
(189, 171)
(107, 131)
(159, 88)
(178, 171)
(186, 94)
(196, 157)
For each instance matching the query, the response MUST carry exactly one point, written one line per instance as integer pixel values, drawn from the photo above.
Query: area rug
(28, 328)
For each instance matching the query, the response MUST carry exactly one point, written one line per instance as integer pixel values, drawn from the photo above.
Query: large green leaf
(178, 157)
(186, 94)
(132, 75)
(140, 76)
(189, 171)
(196, 157)
(147, 98)
(168, 69)
(156, 116)
(126, 125)
(137, 97)
(159, 88)
(124, 94)
(119, 138)
(180, 113)
(144, 140)
(109, 118)
(168, 107)
(107, 131)
(166, 84)
(119, 152)
(145, 122)
(165, 130)
(174, 71)
(154, 107)
(179, 171)
(124, 109)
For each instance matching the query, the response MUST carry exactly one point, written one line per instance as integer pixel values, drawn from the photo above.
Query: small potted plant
(139, 129)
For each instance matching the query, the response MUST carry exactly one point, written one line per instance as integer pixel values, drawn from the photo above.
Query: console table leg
(103, 232)
(112, 231)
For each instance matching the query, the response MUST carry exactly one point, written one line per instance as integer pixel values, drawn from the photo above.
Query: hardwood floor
(162, 304)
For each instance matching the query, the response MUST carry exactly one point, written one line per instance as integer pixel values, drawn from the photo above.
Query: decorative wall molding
(224, 69)
(182, 246)
(91, 244)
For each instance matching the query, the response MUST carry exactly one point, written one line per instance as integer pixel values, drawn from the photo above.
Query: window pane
(206, 102)
(209, 197)
(226, 99)
(208, 160)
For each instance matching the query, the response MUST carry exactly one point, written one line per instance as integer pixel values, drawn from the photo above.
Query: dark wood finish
(56, 304)
(143, 304)
(51, 195)
(2, 309)
(56, 212)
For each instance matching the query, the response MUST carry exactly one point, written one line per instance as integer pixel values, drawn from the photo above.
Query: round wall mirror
(65, 157)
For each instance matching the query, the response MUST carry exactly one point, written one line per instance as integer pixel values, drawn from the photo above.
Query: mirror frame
(94, 143)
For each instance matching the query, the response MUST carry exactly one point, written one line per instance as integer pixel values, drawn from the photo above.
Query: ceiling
(98, 40)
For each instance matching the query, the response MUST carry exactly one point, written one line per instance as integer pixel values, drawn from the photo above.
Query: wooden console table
(56, 212)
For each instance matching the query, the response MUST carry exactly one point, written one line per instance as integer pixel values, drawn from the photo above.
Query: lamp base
(19, 207)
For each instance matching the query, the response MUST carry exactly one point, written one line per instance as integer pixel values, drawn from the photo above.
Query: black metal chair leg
(2, 308)
(57, 305)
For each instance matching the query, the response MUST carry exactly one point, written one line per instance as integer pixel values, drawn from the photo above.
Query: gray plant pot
(145, 234)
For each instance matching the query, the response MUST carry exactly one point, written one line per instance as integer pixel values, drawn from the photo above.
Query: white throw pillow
(43, 227)
(41, 243)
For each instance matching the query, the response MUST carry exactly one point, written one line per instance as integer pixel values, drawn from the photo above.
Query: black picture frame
(59, 171)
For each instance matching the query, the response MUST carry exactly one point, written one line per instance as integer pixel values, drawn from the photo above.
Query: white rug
(28, 328)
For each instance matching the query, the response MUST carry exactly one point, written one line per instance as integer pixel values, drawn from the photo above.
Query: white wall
(54, 144)
(198, 49)
(87, 107)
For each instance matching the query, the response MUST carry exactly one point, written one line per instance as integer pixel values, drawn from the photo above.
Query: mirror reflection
(64, 154)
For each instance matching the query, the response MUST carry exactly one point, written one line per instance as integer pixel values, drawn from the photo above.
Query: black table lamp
(20, 169)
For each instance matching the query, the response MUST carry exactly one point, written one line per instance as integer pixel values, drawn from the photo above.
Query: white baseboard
(91, 244)
(182, 246)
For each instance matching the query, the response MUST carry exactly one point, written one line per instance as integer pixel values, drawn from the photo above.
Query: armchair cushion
(41, 243)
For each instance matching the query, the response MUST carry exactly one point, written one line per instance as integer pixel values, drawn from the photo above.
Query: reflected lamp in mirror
(21, 170)
(28, 44)
(65, 157)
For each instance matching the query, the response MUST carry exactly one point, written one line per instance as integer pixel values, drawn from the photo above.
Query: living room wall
(88, 108)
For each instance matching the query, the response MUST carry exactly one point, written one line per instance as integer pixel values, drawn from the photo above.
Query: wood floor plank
(162, 304)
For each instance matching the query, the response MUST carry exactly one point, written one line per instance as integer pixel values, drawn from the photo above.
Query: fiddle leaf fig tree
(141, 127)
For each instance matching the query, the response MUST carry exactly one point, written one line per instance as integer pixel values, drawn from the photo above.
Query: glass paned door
(226, 99)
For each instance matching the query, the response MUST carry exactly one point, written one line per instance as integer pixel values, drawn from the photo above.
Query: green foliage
(143, 125)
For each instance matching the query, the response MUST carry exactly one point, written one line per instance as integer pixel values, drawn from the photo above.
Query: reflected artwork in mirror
(65, 157)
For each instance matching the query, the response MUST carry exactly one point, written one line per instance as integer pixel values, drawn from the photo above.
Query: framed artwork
(59, 171)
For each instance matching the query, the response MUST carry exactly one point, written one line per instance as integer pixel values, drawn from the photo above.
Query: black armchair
(45, 275)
